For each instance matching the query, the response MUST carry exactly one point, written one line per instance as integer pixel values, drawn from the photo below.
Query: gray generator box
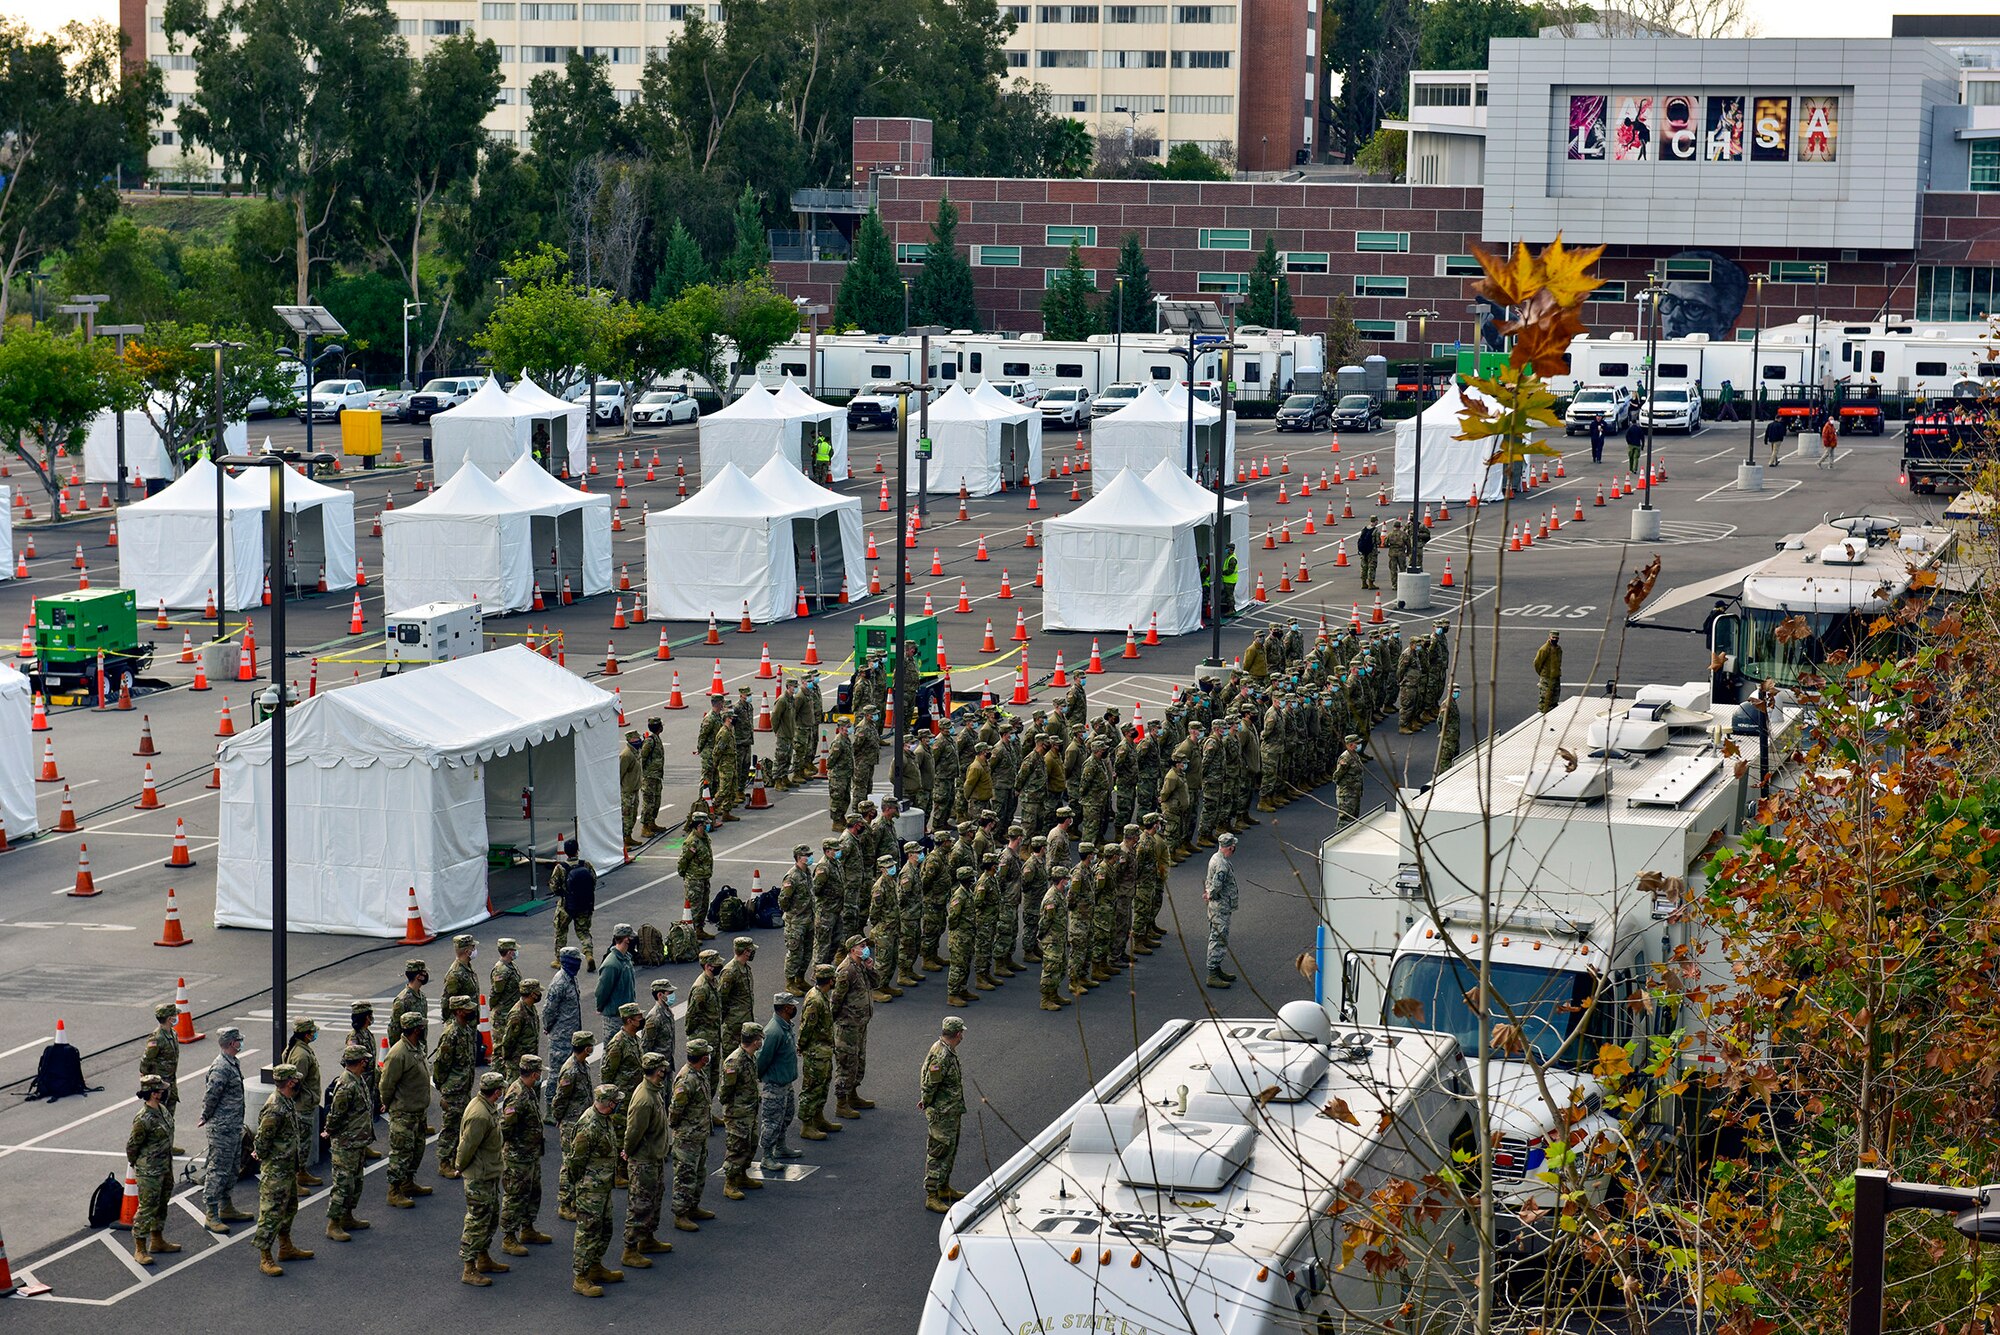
(433, 633)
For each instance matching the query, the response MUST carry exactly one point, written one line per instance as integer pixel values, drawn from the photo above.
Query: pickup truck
(1066, 406)
(438, 395)
(330, 398)
(875, 405)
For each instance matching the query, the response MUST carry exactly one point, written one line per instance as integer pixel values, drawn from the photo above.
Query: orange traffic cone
(964, 599)
(1034, 502)
(872, 553)
(171, 934)
(764, 712)
(66, 822)
(665, 651)
(149, 796)
(1020, 682)
(27, 649)
(1096, 664)
(937, 562)
(812, 651)
(1577, 518)
(1006, 585)
(1270, 540)
(184, 1031)
(1060, 679)
(40, 722)
(187, 647)
(801, 610)
(128, 1208)
(1038, 572)
(180, 857)
(745, 626)
(85, 888)
(1284, 579)
(980, 554)
(226, 728)
(1375, 617)
(987, 645)
(1257, 595)
(1020, 626)
(49, 772)
(200, 682)
(1131, 644)
(610, 659)
(714, 635)
(875, 580)
(715, 679)
(1153, 630)
(414, 931)
(1282, 498)
(1340, 553)
(764, 672)
(1446, 581)
(759, 799)
(1599, 503)
(674, 699)
(618, 614)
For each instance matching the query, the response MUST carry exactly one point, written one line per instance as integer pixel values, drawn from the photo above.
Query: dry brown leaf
(1340, 1112)
(1640, 587)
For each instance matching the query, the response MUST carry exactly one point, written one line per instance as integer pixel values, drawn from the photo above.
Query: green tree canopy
(546, 326)
(1268, 301)
(1135, 295)
(51, 385)
(750, 314)
(177, 380)
(1344, 345)
(1385, 152)
(1187, 162)
(942, 293)
(681, 266)
(1069, 307)
(871, 291)
(752, 254)
(1452, 34)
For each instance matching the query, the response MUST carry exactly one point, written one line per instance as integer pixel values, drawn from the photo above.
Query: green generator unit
(878, 636)
(71, 629)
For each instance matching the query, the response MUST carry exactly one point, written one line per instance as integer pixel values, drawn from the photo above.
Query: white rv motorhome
(1619, 358)
(1206, 1185)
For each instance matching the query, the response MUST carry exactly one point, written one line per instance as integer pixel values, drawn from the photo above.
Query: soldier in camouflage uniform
(1447, 753)
(479, 1153)
(839, 773)
(460, 980)
(736, 986)
(590, 1159)
(162, 1056)
(866, 751)
(523, 1144)
(350, 1126)
(657, 1034)
(934, 884)
(744, 735)
(1347, 779)
(504, 986)
(521, 1030)
(575, 906)
(909, 916)
(740, 1094)
(941, 1096)
(852, 999)
(149, 1153)
(622, 1069)
(718, 763)
(856, 866)
(806, 716)
(1093, 790)
(646, 1164)
(945, 771)
(562, 1013)
(1007, 908)
(1052, 948)
(828, 888)
(652, 774)
(885, 925)
(1218, 893)
(1151, 875)
(1104, 897)
(1082, 908)
(688, 1124)
(961, 929)
(406, 1098)
(795, 902)
(985, 894)
(784, 715)
(280, 1155)
(1033, 882)
(1031, 785)
(815, 1041)
(452, 1073)
(299, 1052)
(566, 1105)
(1125, 776)
(411, 998)
(695, 866)
(704, 1009)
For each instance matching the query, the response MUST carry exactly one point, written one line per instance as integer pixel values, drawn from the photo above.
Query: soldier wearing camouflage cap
(646, 1163)
(704, 1008)
(415, 974)
(504, 982)
(478, 1156)
(590, 1161)
(299, 1052)
(795, 903)
(815, 1043)
(406, 1097)
(737, 1092)
(280, 1155)
(688, 1126)
(453, 1067)
(623, 1068)
(941, 1098)
(350, 1126)
(460, 980)
(659, 1033)
(149, 1154)
(736, 986)
(522, 1146)
(518, 1031)
(566, 1105)
(162, 1056)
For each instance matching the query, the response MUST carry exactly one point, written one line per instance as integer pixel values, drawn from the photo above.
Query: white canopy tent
(17, 754)
(166, 542)
(1208, 429)
(1453, 468)
(1021, 432)
(762, 425)
(569, 530)
(321, 524)
(468, 541)
(1153, 429)
(557, 427)
(1170, 484)
(407, 781)
(1124, 555)
(827, 546)
(145, 452)
(490, 430)
(725, 548)
(966, 445)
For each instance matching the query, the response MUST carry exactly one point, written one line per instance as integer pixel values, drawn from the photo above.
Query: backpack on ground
(764, 910)
(683, 943)
(105, 1201)
(60, 1074)
(715, 904)
(651, 950)
(732, 914)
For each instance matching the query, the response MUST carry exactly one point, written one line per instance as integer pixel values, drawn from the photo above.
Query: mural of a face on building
(1704, 308)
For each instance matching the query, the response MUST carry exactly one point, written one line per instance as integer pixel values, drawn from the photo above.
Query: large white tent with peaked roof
(1153, 429)
(557, 427)
(762, 425)
(569, 530)
(166, 542)
(724, 551)
(468, 541)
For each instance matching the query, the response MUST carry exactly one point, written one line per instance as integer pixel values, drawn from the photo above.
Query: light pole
(409, 308)
(1413, 586)
(1118, 340)
(902, 390)
(1646, 519)
(1750, 476)
(277, 698)
(1977, 1211)
(812, 310)
(121, 332)
(1819, 293)
(906, 303)
(216, 450)
(1219, 535)
(85, 308)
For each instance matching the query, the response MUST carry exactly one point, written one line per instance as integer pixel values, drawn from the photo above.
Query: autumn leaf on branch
(1640, 587)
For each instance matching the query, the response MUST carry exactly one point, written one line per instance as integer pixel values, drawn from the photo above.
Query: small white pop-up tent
(166, 543)
(408, 781)
(1452, 469)
(468, 541)
(556, 427)
(762, 425)
(1120, 558)
(320, 521)
(17, 754)
(966, 446)
(146, 454)
(569, 530)
(725, 549)
(1021, 434)
(6, 531)
(1153, 429)
(490, 430)
(815, 419)
(1209, 429)
(1170, 484)
(827, 547)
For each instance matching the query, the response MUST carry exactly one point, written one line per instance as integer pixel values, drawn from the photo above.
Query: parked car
(393, 404)
(1674, 406)
(1115, 397)
(875, 405)
(1068, 406)
(439, 394)
(665, 407)
(1303, 412)
(1357, 412)
(1208, 392)
(1024, 392)
(330, 398)
(1610, 403)
(610, 399)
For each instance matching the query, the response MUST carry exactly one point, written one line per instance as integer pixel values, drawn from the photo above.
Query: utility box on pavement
(72, 629)
(433, 633)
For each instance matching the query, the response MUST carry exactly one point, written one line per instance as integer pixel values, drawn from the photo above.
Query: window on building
(1796, 271)
(1204, 13)
(1072, 104)
(1135, 13)
(1135, 60)
(1225, 238)
(1687, 271)
(1956, 292)
(1443, 94)
(1459, 266)
(611, 13)
(1062, 236)
(1203, 60)
(1479, 94)
(156, 24)
(672, 13)
(1381, 285)
(625, 97)
(1380, 331)
(1049, 276)
(1985, 174)
(1220, 104)
(406, 27)
(1389, 242)
(997, 257)
(443, 27)
(504, 96)
(544, 12)
(500, 136)
(547, 55)
(1141, 104)
(179, 99)
(612, 55)
(166, 138)
(1066, 60)
(1982, 93)
(497, 11)
(1305, 261)
(911, 252)
(654, 53)
(506, 55)
(1876, 362)
(1066, 13)
(1613, 290)
(1222, 282)
(1017, 60)
(172, 62)
(1018, 13)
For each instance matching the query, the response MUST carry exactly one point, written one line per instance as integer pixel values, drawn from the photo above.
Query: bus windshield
(1763, 654)
(1436, 992)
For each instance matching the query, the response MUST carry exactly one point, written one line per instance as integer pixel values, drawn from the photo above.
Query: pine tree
(1343, 336)
(1267, 280)
(871, 291)
(942, 294)
(1069, 307)
(753, 251)
(1136, 293)
(681, 266)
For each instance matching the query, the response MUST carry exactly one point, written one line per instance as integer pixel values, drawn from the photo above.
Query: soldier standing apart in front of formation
(280, 1154)
(1448, 733)
(149, 1153)
(406, 1097)
(478, 1155)
(350, 1126)
(223, 1116)
(941, 1099)
(591, 1161)
(696, 866)
(1347, 776)
(1218, 892)
(687, 1122)
(1549, 671)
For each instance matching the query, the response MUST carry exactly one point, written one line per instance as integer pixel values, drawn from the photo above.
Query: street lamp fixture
(1413, 587)
(85, 307)
(309, 323)
(1750, 477)
(410, 308)
(1976, 1212)
(811, 311)
(1646, 519)
(902, 389)
(216, 450)
(121, 332)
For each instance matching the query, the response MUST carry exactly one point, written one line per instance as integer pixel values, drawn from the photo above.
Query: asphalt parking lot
(848, 1247)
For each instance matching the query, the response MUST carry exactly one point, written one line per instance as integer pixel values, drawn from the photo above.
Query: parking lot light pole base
(1646, 524)
(1749, 477)
(1413, 590)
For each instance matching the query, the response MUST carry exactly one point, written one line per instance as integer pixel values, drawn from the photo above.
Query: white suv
(1674, 406)
(1114, 397)
(1066, 405)
(1024, 392)
(1611, 404)
(330, 398)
